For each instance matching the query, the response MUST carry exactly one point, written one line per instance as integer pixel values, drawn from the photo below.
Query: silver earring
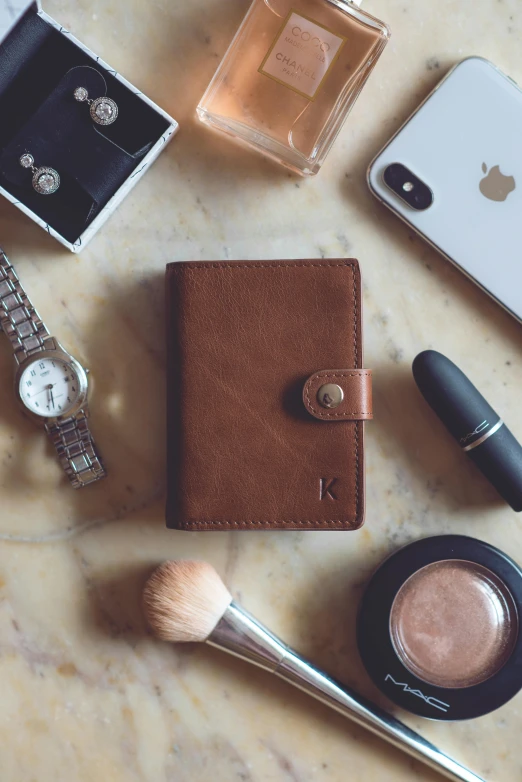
(104, 111)
(45, 180)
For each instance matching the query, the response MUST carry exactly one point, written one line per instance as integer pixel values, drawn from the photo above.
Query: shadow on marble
(432, 457)
(20, 236)
(114, 607)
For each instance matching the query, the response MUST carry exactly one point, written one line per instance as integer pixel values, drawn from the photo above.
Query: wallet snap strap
(339, 395)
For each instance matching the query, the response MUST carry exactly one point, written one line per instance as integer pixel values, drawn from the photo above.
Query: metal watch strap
(19, 320)
(76, 451)
(28, 335)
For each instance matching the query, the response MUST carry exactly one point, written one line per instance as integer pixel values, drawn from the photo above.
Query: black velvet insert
(39, 70)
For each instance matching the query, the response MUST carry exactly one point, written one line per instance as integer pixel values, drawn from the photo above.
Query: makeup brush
(186, 601)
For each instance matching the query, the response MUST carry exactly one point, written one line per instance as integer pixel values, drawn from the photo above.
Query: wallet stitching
(176, 267)
(319, 522)
(356, 439)
(319, 413)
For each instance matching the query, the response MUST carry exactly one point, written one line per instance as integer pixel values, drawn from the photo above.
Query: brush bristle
(184, 601)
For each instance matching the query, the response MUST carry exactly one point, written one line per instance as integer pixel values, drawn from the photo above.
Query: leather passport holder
(266, 395)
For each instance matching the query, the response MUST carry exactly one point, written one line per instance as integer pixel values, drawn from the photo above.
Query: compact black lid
(387, 668)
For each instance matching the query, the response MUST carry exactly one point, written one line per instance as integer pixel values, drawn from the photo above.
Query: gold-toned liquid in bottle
(291, 75)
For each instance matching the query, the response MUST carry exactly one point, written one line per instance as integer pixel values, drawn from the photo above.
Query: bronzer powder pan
(439, 628)
(454, 624)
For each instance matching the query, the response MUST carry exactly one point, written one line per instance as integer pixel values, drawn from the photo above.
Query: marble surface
(86, 693)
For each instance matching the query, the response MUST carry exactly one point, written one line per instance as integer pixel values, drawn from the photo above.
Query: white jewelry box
(13, 15)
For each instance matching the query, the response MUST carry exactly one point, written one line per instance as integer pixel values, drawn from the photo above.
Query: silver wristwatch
(50, 384)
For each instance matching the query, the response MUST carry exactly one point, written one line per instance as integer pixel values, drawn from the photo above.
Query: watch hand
(52, 398)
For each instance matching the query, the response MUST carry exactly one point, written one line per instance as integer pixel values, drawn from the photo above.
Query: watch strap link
(76, 450)
(18, 318)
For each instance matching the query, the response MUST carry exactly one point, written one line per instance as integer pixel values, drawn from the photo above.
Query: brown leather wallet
(262, 432)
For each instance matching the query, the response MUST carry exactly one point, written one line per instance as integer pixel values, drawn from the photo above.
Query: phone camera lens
(410, 189)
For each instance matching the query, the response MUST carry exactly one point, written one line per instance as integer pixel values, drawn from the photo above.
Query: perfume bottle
(291, 75)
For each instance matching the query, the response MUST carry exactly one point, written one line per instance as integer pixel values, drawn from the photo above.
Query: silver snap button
(330, 396)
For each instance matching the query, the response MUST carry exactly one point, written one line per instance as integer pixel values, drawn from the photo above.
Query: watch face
(49, 387)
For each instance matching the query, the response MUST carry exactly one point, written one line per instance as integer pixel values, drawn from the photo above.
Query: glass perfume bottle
(291, 76)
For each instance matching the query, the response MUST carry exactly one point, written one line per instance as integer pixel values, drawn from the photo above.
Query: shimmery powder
(454, 624)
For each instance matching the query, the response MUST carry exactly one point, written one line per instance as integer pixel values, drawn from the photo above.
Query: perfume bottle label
(302, 55)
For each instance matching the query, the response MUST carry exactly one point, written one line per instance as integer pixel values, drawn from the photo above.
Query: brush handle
(243, 636)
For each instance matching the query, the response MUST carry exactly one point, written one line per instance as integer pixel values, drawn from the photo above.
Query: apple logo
(495, 185)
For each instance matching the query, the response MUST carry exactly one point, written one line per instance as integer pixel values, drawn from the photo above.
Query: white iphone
(453, 172)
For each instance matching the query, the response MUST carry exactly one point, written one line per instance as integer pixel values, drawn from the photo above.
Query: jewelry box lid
(10, 13)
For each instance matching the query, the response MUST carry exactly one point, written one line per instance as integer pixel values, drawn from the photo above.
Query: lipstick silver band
(484, 436)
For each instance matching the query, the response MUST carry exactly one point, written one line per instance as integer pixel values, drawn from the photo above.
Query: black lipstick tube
(474, 424)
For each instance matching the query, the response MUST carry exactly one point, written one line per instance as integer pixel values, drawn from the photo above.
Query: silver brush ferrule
(240, 634)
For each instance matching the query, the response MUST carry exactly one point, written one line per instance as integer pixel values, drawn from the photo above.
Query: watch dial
(49, 387)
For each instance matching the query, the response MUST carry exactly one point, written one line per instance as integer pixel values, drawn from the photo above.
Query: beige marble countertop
(85, 693)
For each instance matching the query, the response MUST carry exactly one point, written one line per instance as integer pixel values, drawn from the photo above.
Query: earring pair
(103, 111)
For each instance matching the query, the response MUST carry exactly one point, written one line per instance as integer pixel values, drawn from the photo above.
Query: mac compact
(439, 628)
